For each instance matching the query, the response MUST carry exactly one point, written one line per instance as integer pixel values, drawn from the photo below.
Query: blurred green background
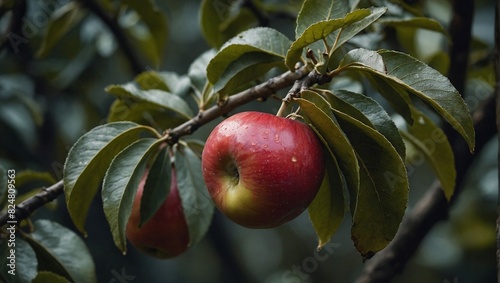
(48, 102)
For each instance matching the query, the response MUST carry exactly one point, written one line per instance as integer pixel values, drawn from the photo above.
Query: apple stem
(294, 91)
(283, 106)
(305, 83)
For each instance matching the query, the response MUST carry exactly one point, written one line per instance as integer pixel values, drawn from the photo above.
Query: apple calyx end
(233, 173)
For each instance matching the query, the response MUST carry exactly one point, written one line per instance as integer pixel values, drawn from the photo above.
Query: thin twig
(305, 83)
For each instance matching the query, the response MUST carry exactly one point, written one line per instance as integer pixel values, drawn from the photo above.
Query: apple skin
(262, 170)
(166, 234)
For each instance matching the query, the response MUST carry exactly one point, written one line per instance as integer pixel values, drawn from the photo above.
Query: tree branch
(430, 209)
(460, 32)
(262, 90)
(24, 209)
(266, 89)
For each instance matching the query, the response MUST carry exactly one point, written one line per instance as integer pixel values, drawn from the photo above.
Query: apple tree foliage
(150, 121)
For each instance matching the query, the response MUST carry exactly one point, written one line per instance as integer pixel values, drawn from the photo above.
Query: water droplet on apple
(254, 144)
(421, 120)
(294, 159)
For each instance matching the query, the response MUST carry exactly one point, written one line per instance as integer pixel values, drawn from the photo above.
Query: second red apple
(166, 234)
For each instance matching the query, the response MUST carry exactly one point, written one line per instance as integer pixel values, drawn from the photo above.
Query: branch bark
(460, 32)
(266, 89)
(262, 90)
(24, 209)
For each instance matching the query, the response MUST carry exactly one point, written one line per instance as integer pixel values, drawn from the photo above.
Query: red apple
(166, 234)
(262, 170)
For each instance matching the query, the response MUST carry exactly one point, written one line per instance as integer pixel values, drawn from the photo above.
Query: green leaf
(60, 22)
(364, 108)
(144, 113)
(416, 22)
(335, 31)
(157, 186)
(197, 204)
(383, 188)
(318, 31)
(222, 19)
(56, 247)
(356, 27)
(341, 105)
(433, 143)
(261, 39)
(152, 80)
(314, 11)
(432, 87)
(336, 141)
(154, 96)
(156, 22)
(87, 162)
(415, 77)
(327, 209)
(319, 101)
(120, 185)
(248, 67)
(167, 81)
(49, 277)
(24, 267)
(395, 95)
(196, 146)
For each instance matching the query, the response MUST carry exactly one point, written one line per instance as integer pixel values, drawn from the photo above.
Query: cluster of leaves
(366, 149)
(43, 250)
(118, 154)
